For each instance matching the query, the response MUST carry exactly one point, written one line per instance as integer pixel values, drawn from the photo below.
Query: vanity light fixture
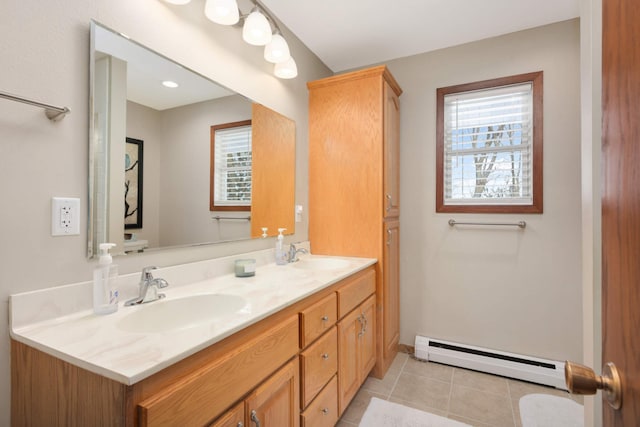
(286, 70)
(224, 12)
(256, 30)
(277, 50)
(170, 84)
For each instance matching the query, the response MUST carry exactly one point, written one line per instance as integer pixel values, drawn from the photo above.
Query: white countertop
(48, 321)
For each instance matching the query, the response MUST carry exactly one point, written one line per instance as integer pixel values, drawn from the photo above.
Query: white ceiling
(349, 34)
(146, 70)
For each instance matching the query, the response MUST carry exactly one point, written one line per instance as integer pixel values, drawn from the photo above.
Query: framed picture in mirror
(133, 184)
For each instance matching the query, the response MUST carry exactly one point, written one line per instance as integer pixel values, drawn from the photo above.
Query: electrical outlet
(65, 216)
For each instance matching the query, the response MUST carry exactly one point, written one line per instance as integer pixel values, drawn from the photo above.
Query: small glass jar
(245, 267)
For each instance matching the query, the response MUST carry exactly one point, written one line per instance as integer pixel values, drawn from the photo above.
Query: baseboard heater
(531, 369)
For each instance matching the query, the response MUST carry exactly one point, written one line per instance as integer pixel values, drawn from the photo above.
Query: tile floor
(480, 400)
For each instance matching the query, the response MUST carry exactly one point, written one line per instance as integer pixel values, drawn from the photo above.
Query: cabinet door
(348, 375)
(391, 291)
(234, 417)
(275, 403)
(391, 153)
(367, 343)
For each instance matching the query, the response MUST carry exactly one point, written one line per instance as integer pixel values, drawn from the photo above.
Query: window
(231, 167)
(489, 146)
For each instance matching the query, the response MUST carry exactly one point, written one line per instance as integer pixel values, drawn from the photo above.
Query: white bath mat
(544, 410)
(382, 413)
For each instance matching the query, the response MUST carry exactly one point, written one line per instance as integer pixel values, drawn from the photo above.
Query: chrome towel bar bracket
(52, 112)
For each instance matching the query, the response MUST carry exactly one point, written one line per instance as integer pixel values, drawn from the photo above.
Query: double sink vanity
(289, 346)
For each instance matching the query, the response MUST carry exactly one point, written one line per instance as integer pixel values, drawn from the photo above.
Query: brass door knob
(582, 380)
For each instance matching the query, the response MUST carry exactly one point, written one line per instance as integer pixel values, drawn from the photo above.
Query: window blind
(488, 137)
(232, 177)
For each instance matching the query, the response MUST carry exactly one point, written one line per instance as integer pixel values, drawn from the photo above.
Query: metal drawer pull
(325, 411)
(325, 318)
(390, 202)
(254, 418)
(325, 356)
(389, 236)
(362, 325)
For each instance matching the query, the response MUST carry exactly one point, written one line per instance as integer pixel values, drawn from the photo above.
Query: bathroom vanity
(293, 352)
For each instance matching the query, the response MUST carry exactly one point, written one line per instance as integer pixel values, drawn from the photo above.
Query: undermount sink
(320, 263)
(172, 314)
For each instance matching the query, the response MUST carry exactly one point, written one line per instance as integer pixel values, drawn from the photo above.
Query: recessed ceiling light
(169, 83)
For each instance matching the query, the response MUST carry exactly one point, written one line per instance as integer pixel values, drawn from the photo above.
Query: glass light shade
(286, 70)
(277, 50)
(224, 12)
(256, 30)
(177, 1)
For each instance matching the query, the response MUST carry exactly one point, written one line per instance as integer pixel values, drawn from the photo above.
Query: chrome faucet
(293, 253)
(148, 288)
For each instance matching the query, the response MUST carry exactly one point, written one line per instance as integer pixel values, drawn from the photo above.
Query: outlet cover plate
(65, 216)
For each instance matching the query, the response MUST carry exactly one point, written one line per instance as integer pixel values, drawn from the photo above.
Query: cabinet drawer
(323, 411)
(318, 364)
(207, 391)
(356, 291)
(317, 319)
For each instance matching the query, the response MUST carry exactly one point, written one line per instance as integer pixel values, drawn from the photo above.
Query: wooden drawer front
(318, 364)
(206, 392)
(317, 319)
(355, 291)
(323, 411)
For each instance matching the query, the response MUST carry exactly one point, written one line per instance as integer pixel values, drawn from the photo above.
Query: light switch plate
(65, 216)
(299, 213)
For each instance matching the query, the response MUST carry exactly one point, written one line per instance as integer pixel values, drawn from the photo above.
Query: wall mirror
(150, 163)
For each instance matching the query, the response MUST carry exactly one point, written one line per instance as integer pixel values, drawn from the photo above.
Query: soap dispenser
(105, 296)
(281, 254)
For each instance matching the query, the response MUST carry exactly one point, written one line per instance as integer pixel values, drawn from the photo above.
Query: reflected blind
(488, 137)
(232, 177)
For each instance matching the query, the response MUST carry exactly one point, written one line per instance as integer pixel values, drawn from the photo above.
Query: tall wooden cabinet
(354, 204)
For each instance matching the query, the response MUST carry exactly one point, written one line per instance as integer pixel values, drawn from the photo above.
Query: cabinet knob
(325, 318)
(389, 236)
(389, 202)
(240, 424)
(325, 411)
(325, 356)
(254, 418)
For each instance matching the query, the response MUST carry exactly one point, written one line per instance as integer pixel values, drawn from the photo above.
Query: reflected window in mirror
(231, 167)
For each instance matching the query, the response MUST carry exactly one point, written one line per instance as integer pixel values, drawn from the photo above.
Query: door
(234, 417)
(348, 378)
(621, 203)
(391, 152)
(275, 403)
(367, 346)
(391, 293)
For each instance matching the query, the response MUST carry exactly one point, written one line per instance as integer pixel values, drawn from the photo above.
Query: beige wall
(517, 291)
(176, 150)
(45, 55)
(591, 89)
(146, 124)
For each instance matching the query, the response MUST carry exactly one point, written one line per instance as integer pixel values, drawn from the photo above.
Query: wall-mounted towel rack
(242, 218)
(52, 112)
(520, 224)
